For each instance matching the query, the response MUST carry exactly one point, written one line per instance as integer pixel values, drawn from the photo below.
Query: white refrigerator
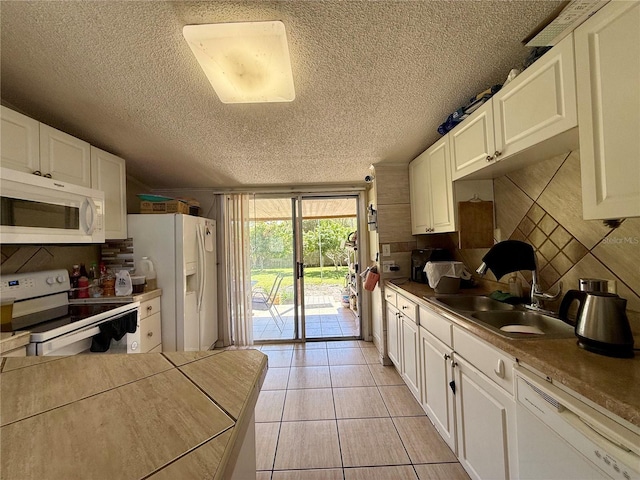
(183, 251)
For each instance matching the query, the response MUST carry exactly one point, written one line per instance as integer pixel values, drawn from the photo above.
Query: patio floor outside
(325, 316)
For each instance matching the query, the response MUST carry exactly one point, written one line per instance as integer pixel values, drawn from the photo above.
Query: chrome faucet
(538, 297)
(511, 256)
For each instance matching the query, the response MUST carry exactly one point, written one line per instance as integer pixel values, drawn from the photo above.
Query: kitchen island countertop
(156, 415)
(612, 383)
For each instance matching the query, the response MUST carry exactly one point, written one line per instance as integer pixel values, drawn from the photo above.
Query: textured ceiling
(373, 82)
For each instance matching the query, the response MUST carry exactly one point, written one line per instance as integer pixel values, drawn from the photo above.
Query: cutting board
(475, 224)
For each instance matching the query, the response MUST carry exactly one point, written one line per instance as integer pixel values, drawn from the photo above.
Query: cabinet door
(410, 365)
(472, 142)
(64, 157)
(608, 73)
(150, 333)
(108, 174)
(485, 421)
(437, 396)
(419, 194)
(20, 141)
(441, 188)
(393, 336)
(538, 104)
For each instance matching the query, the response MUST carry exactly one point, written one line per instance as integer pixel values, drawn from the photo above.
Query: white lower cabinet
(485, 421)
(410, 348)
(150, 326)
(393, 335)
(437, 395)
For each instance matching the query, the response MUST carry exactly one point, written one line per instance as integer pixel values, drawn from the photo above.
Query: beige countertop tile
(612, 383)
(126, 416)
(12, 340)
(44, 386)
(226, 379)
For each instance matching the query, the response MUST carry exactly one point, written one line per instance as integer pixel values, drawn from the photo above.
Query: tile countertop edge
(224, 467)
(243, 423)
(588, 374)
(12, 340)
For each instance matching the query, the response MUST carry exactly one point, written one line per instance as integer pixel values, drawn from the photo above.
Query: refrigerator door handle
(201, 265)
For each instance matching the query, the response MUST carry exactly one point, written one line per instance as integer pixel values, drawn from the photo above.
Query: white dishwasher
(561, 437)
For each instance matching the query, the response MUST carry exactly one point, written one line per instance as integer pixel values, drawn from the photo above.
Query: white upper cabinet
(538, 108)
(64, 157)
(20, 141)
(608, 87)
(472, 142)
(108, 173)
(537, 105)
(419, 195)
(432, 206)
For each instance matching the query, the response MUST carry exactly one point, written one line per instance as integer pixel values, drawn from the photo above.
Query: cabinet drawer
(493, 363)
(439, 327)
(408, 309)
(391, 297)
(150, 332)
(149, 307)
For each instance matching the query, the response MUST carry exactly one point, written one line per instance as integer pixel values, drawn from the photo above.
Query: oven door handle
(57, 343)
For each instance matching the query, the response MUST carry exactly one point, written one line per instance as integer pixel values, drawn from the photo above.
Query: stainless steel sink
(523, 324)
(473, 303)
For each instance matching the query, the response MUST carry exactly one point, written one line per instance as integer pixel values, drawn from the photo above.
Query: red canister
(83, 287)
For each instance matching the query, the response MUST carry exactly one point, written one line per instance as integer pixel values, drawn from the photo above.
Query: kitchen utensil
(601, 324)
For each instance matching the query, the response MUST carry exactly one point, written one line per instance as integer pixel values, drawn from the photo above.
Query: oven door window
(17, 212)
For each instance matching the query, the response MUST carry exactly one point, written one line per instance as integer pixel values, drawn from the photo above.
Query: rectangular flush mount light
(245, 62)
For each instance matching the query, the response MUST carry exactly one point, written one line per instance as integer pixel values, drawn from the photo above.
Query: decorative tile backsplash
(33, 258)
(542, 205)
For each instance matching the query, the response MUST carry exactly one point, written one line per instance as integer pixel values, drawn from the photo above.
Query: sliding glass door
(304, 267)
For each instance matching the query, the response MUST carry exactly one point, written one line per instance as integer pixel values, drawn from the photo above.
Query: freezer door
(187, 243)
(209, 296)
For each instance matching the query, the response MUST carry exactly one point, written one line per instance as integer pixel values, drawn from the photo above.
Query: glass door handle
(299, 269)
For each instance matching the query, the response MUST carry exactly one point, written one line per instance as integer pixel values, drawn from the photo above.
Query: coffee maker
(419, 259)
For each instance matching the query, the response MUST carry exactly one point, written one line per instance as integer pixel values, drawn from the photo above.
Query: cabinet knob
(404, 307)
(489, 158)
(150, 334)
(454, 364)
(497, 153)
(149, 308)
(447, 356)
(38, 172)
(47, 175)
(499, 370)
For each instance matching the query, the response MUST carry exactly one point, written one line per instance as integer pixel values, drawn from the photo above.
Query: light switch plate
(386, 250)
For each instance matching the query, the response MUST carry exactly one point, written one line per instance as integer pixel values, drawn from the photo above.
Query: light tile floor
(331, 411)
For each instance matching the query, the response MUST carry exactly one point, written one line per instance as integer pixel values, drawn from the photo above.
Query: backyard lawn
(314, 277)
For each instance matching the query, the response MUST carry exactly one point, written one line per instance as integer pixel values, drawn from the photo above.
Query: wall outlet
(386, 250)
(386, 266)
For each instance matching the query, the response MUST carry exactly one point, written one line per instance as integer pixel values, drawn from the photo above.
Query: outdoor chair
(260, 297)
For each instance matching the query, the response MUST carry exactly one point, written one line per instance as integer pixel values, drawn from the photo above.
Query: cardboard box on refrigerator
(170, 206)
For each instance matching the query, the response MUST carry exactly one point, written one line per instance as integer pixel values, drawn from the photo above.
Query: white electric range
(58, 327)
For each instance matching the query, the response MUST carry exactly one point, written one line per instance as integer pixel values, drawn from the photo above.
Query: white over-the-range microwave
(43, 210)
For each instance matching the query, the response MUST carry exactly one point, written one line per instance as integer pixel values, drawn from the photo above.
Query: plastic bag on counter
(123, 284)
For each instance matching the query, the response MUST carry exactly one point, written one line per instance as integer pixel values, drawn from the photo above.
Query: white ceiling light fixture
(246, 62)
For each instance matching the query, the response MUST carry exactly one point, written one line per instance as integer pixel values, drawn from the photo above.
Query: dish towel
(510, 256)
(115, 329)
